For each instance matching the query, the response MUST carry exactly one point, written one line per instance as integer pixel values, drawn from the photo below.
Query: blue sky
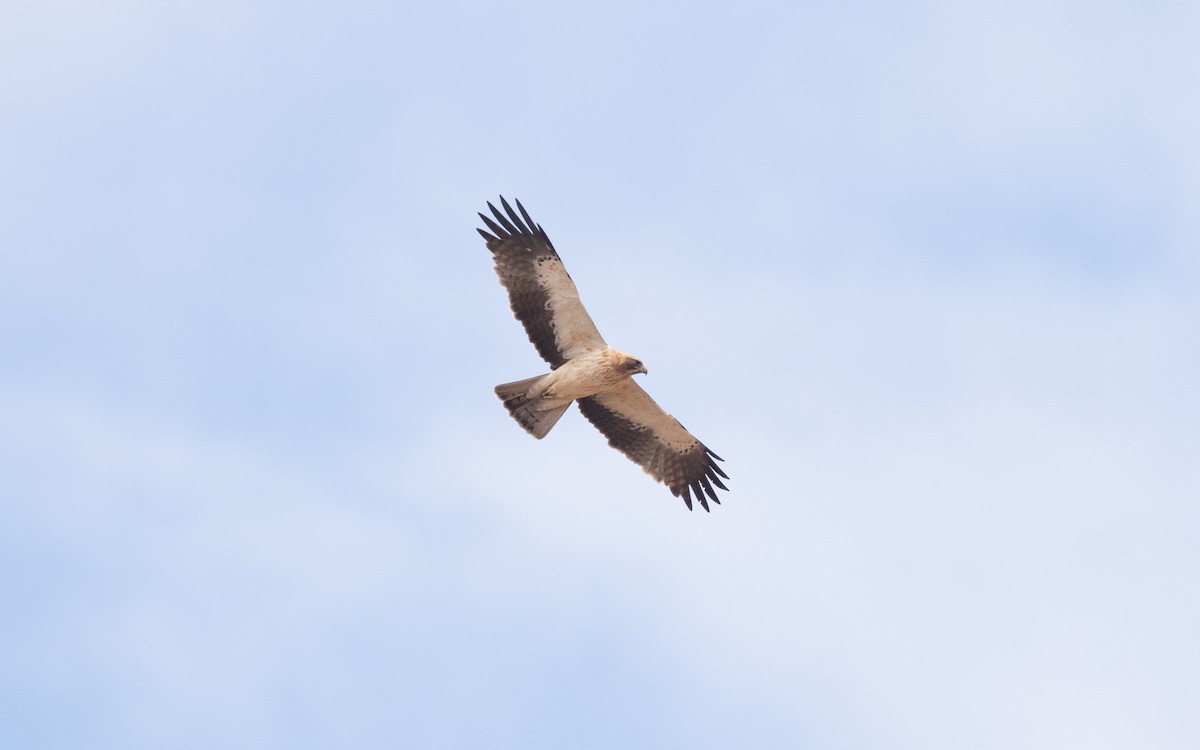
(926, 275)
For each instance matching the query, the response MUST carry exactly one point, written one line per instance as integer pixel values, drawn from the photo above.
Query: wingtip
(513, 222)
(713, 478)
(525, 229)
(504, 220)
(682, 492)
(529, 222)
(497, 230)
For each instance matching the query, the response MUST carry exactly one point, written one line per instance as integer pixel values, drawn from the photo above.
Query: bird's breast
(583, 376)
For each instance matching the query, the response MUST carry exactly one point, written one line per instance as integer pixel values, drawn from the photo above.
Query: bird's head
(633, 365)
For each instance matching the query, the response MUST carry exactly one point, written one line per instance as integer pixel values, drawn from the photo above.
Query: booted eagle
(584, 368)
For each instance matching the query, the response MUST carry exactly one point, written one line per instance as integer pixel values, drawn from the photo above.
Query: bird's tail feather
(537, 422)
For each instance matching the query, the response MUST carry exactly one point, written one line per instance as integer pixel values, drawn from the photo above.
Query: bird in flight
(583, 368)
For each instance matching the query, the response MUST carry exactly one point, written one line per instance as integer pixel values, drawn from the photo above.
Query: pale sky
(926, 275)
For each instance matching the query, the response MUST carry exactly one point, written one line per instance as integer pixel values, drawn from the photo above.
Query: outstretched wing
(655, 440)
(540, 291)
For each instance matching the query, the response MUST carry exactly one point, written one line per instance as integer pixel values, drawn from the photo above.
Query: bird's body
(585, 369)
(586, 375)
(537, 402)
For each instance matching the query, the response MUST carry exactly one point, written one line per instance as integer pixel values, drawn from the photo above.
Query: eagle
(583, 368)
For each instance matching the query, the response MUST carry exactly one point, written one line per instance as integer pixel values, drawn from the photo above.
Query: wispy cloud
(924, 276)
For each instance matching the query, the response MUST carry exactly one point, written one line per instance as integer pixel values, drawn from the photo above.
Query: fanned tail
(537, 422)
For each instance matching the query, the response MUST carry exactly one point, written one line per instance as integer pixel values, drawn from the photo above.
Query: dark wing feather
(638, 427)
(540, 290)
